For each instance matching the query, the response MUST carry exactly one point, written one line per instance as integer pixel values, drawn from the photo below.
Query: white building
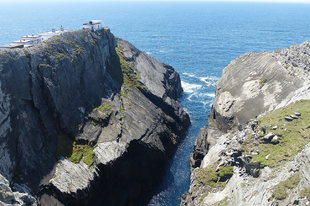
(93, 25)
(35, 38)
(49, 34)
(24, 42)
(11, 46)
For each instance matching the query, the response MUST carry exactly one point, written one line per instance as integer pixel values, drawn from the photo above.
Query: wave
(187, 87)
(189, 74)
(210, 81)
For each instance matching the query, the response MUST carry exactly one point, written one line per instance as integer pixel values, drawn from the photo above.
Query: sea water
(197, 38)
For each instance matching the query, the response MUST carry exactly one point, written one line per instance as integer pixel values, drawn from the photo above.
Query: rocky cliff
(86, 119)
(255, 148)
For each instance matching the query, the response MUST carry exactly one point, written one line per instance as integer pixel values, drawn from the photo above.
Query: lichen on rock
(94, 118)
(253, 127)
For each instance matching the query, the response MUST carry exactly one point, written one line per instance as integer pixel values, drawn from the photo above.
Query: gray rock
(269, 136)
(8, 197)
(253, 168)
(287, 118)
(58, 89)
(239, 98)
(294, 116)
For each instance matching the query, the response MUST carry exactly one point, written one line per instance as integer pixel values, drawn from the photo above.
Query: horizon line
(250, 1)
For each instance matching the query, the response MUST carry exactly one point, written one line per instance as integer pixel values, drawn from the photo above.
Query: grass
(103, 107)
(209, 176)
(124, 72)
(280, 191)
(305, 193)
(74, 152)
(203, 197)
(262, 82)
(27, 55)
(61, 50)
(223, 202)
(122, 109)
(292, 136)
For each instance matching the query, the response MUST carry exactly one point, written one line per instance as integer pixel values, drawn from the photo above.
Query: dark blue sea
(198, 39)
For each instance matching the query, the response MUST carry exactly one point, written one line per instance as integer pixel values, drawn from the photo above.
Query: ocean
(199, 39)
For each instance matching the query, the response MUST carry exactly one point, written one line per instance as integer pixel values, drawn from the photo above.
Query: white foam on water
(187, 87)
(148, 53)
(189, 74)
(210, 81)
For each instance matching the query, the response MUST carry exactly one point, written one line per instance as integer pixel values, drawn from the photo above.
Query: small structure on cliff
(30, 40)
(49, 34)
(35, 38)
(93, 25)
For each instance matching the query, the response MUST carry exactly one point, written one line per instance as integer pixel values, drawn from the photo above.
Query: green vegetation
(103, 107)
(122, 109)
(209, 176)
(305, 193)
(79, 50)
(123, 72)
(203, 197)
(277, 50)
(280, 191)
(286, 66)
(74, 152)
(57, 48)
(292, 135)
(224, 171)
(262, 82)
(223, 202)
(27, 55)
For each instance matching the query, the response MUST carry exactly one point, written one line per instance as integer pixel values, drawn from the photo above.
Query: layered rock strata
(231, 163)
(87, 118)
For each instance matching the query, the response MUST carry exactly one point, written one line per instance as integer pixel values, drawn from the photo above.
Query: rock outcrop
(87, 118)
(236, 159)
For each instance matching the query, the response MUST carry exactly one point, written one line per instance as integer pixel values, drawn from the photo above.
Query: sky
(271, 1)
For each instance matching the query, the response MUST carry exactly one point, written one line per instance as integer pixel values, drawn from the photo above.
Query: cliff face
(254, 148)
(87, 118)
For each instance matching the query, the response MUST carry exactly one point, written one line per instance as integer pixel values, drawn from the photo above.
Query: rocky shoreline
(254, 148)
(87, 118)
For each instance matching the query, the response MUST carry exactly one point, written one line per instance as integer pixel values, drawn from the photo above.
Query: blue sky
(280, 1)
(266, 1)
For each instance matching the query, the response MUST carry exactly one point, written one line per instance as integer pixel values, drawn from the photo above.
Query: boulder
(253, 168)
(294, 116)
(268, 137)
(287, 118)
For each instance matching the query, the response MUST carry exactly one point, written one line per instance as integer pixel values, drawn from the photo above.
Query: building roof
(31, 36)
(50, 33)
(26, 46)
(11, 46)
(23, 41)
(93, 22)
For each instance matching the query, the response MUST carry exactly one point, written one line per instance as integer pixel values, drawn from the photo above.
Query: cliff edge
(254, 150)
(87, 118)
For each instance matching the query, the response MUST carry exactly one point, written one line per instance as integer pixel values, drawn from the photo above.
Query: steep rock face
(229, 147)
(81, 123)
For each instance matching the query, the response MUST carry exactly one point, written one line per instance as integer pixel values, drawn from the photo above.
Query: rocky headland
(255, 149)
(86, 119)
